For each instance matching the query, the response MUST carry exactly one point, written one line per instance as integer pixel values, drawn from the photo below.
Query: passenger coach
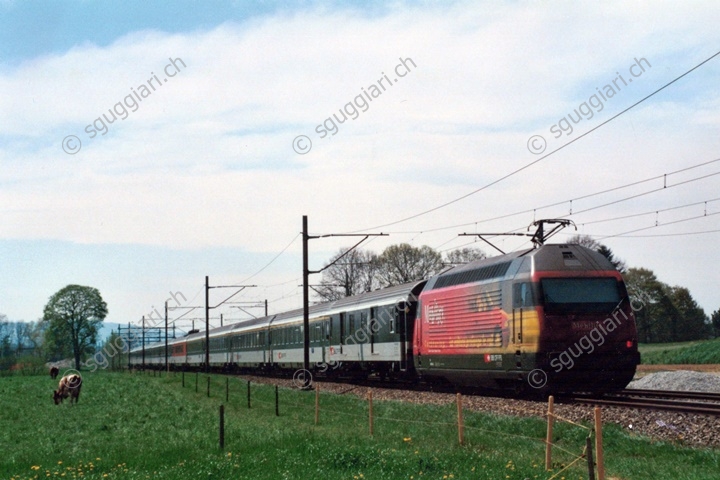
(555, 317)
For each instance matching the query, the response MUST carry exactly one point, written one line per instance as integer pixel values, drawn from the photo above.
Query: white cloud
(206, 160)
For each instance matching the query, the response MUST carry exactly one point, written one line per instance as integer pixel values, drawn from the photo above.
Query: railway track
(672, 394)
(703, 403)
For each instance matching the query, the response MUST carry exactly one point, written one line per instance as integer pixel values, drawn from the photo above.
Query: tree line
(670, 313)
(73, 315)
(68, 329)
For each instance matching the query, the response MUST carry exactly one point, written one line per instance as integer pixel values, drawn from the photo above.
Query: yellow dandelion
(35, 467)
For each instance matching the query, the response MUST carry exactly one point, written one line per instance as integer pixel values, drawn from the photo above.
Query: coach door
(342, 331)
(399, 323)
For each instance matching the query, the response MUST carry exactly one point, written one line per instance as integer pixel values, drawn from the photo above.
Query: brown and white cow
(69, 386)
(54, 372)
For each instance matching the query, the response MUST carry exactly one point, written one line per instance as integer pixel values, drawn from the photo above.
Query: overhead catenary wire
(273, 260)
(705, 215)
(528, 165)
(663, 176)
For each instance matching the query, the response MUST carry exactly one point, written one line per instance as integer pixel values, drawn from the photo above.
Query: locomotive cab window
(580, 295)
(523, 295)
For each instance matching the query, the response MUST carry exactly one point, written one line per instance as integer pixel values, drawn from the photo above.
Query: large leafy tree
(464, 255)
(73, 316)
(664, 313)
(351, 274)
(650, 302)
(404, 263)
(691, 322)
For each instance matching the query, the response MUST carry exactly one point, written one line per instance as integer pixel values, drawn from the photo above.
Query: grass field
(698, 352)
(137, 426)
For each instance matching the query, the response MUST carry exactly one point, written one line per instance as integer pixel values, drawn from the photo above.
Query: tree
(404, 263)
(664, 313)
(5, 334)
(715, 322)
(584, 241)
(692, 323)
(646, 295)
(464, 255)
(354, 273)
(589, 242)
(73, 316)
(35, 334)
(619, 265)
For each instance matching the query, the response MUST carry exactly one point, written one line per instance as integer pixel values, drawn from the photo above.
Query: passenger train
(553, 318)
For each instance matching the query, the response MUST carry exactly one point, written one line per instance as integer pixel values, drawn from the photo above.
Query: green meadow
(140, 426)
(698, 352)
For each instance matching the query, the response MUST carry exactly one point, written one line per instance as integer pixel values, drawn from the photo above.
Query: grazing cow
(69, 386)
(54, 372)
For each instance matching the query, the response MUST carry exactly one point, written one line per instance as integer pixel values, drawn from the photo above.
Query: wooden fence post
(599, 445)
(591, 462)
(548, 438)
(461, 427)
(317, 403)
(222, 427)
(371, 411)
(277, 402)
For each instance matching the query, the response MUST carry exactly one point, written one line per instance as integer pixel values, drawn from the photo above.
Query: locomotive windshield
(580, 295)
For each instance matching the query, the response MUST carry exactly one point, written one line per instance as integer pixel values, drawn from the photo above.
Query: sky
(147, 145)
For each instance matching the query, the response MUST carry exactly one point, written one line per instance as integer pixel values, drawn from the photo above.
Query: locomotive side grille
(466, 320)
(471, 276)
